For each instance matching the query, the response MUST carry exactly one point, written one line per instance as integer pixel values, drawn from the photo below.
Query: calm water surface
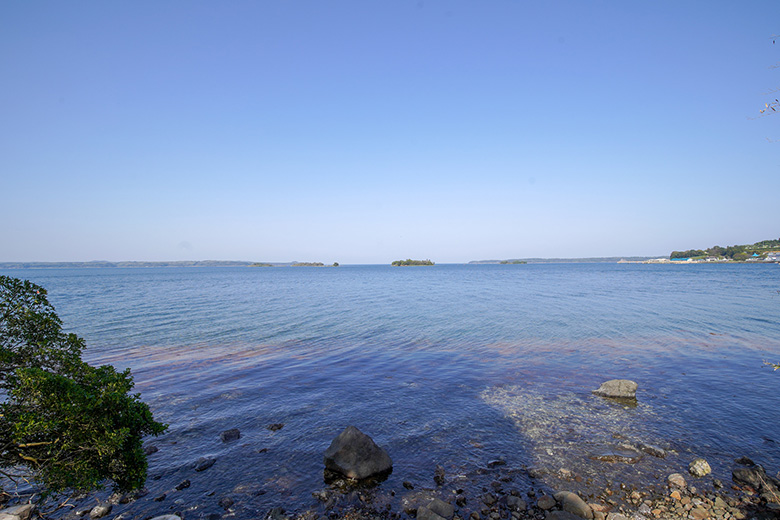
(452, 365)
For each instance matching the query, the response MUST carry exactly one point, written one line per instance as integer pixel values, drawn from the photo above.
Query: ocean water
(450, 365)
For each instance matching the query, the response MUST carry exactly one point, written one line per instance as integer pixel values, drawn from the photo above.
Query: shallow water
(453, 365)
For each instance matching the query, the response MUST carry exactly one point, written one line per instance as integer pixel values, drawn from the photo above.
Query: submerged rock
(204, 463)
(355, 455)
(230, 435)
(438, 475)
(617, 389)
(619, 454)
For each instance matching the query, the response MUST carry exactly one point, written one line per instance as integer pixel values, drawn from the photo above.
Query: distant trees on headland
(737, 253)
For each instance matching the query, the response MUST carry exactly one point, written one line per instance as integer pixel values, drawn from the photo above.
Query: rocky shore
(356, 484)
(511, 494)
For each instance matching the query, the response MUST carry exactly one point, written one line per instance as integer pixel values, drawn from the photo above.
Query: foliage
(63, 422)
(335, 264)
(503, 262)
(308, 264)
(409, 261)
(691, 253)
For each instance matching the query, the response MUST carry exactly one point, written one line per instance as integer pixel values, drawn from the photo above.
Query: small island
(308, 264)
(409, 261)
(260, 264)
(504, 262)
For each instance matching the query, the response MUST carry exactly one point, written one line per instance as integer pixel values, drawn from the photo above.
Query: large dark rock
(755, 476)
(355, 455)
(617, 389)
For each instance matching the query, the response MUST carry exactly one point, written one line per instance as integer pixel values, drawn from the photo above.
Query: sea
(485, 371)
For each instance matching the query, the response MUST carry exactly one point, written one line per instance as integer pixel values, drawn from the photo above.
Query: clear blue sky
(367, 131)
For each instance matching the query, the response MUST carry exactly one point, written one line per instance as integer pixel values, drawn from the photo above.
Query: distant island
(504, 262)
(308, 264)
(409, 261)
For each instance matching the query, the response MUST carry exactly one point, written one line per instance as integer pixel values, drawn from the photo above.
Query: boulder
(441, 508)
(572, 503)
(435, 509)
(22, 512)
(617, 389)
(699, 468)
(355, 455)
(423, 513)
(755, 477)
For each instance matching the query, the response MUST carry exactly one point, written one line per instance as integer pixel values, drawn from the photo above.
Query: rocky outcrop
(617, 389)
(755, 477)
(355, 455)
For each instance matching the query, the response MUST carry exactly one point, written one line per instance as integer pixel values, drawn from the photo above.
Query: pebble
(676, 480)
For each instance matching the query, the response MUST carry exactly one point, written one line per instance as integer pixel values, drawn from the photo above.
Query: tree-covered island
(409, 261)
(512, 262)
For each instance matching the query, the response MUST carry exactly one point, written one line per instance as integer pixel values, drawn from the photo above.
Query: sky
(357, 131)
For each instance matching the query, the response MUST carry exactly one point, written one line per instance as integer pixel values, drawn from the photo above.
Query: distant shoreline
(236, 263)
(230, 263)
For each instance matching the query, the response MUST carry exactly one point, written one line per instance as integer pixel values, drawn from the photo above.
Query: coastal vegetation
(63, 423)
(736, 253)
(261, 264)
(504, 262)
(308, 264)
(409, 261)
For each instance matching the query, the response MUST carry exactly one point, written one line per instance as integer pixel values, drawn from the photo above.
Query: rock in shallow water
(572, 503)
(619, 454)
(355, 455)
(617, 389)
(699, 468)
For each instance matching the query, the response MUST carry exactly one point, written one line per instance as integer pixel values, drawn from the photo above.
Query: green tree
(63, 423)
